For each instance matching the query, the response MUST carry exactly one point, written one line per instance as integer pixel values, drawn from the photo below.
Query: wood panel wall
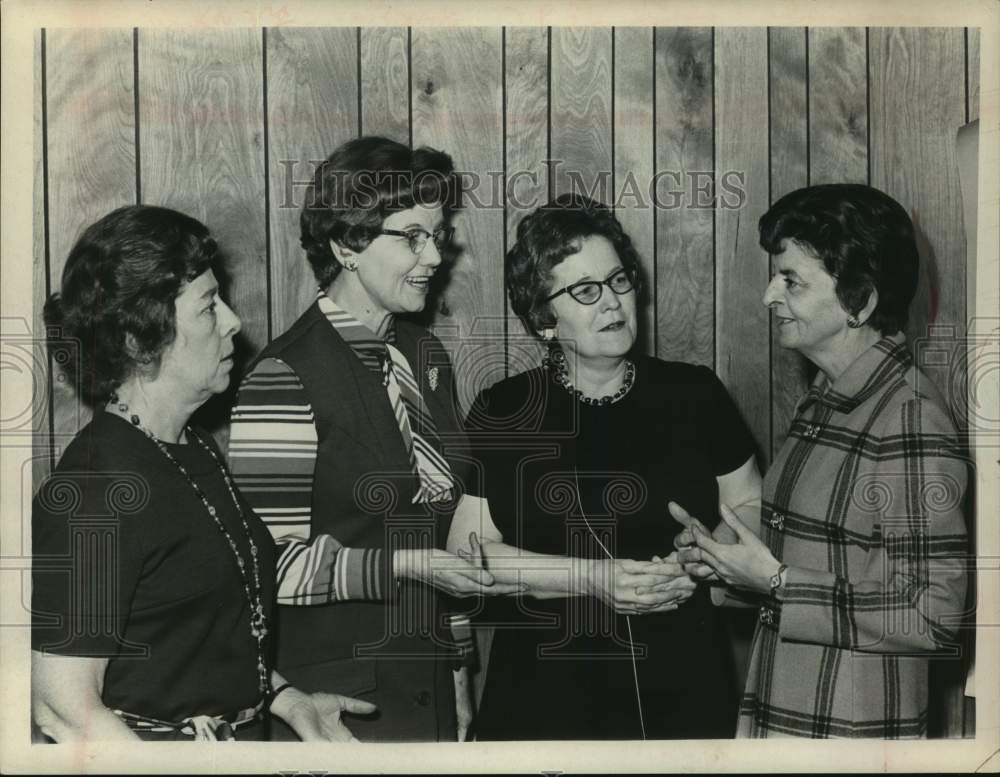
(227, 125)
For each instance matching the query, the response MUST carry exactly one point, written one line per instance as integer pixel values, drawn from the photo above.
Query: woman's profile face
(807, 313)
(198, 362)
(394, 278)
(606, 328)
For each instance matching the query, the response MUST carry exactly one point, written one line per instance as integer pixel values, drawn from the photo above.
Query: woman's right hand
(449, 573)
(638, 587)
(316, 717)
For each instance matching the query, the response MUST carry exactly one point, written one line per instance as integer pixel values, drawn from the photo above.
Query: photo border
(20, 18)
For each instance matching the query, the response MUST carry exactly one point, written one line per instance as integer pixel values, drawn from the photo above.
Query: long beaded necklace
(258, 620)
(555, 362)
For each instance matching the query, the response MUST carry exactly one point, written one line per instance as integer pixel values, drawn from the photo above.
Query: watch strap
(777, 579)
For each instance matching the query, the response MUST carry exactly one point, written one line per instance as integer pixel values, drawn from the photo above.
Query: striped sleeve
(911, 595)
(272, 454)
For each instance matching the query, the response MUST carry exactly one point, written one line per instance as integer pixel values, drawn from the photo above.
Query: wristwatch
(777, 579)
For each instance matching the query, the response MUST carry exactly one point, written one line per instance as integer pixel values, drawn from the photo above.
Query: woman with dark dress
(153, 581)
(577, 461)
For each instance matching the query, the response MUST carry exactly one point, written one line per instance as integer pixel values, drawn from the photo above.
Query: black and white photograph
(542, 387)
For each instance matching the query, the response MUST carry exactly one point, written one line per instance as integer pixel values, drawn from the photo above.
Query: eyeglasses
(589, 292)
(417, 237)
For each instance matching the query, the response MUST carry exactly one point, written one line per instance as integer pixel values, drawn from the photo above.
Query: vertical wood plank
(312, 107)
(526, 147)
(581, 131)
(685, 254)
(385, 83)
(526, 188)
(457, 107)
(742, 336)
(41, 378)
(917, 77)
(917, 105)
(202, 152)
(91, 159)
(634, 101)
(838, 110)
(789, 145)
(973, 76)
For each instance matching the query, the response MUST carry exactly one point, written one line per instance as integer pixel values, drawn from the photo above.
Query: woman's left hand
(315, 717)
(747, 564)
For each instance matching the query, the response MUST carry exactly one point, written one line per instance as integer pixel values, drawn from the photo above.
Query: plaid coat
(863, 503)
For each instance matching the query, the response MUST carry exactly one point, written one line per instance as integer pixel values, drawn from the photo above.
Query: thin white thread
(628, 618)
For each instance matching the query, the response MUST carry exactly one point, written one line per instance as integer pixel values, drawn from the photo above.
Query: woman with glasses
(342, 439)
(577, 461)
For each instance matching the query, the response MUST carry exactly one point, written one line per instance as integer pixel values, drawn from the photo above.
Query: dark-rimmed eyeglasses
(589, 292)
(417, 237)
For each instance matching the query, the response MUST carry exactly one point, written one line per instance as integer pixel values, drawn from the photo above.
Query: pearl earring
(350, 265)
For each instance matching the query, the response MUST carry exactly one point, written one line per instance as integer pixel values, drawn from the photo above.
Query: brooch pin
(432, 378)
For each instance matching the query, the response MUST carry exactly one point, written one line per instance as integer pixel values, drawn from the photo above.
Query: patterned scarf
(416, 425)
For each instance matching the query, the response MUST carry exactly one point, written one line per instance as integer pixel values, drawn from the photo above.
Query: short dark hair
(116, 298)
(864, 238)
(546, 237)
(359, 185)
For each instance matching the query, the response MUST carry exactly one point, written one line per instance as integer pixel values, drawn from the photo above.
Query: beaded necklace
(258, 620)
(555, 363)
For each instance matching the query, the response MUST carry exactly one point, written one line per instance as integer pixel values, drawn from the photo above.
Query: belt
(200, 727)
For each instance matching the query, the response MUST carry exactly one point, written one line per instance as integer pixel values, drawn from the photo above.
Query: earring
(854, 323)
(548, 334)
(350, 265)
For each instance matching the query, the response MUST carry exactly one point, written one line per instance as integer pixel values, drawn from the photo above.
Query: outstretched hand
(316, 717)
(456, 575)
(747, 564)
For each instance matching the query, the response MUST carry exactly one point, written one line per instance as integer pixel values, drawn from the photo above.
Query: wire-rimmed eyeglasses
(589, 292)
(417, 237)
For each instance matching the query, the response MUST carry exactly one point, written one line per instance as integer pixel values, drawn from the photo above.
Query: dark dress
(128, 565)
(562, 668)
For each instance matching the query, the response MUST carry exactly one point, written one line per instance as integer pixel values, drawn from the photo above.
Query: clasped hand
(743, 562)
(640, 587)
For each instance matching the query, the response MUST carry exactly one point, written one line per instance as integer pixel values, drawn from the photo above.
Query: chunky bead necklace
(555, 363)
(258, 620)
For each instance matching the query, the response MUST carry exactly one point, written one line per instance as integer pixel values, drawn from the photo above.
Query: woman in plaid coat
(857, 557)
